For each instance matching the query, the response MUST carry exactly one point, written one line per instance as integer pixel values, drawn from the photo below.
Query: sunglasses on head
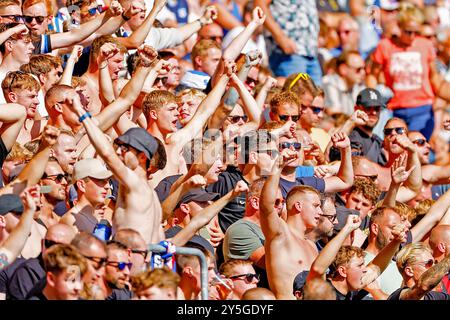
(248, 276)
(398, 130)
(286, 117)
(120, 265)
(285, 145)
(39, 19)
(16, 18)
(16, 73)
(236, 119)
(48, 243)
(420, 142)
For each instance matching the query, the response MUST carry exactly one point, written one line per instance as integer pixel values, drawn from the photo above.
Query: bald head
(258, 294)
(60, 233)
(57, 93)
(440, 240)
(88, 245)
(131, 239)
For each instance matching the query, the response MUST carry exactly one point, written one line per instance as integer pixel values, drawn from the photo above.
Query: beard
(381, 241)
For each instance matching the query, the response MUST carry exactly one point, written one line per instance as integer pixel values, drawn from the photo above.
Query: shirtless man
(288, 252)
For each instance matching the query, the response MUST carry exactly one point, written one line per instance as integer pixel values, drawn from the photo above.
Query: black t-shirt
(6, 274)
(120, 294)
(351, 295)
(316, 183)
(196, 239)
(432, 295)
(36, 292)
(82, 65)
(26, 277)
(3, 154)
(235, 209)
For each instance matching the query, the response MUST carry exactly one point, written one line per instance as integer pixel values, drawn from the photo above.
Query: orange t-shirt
(407, 71)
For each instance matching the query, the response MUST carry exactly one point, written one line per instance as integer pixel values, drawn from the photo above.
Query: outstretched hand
(30, 198)
(399, 173)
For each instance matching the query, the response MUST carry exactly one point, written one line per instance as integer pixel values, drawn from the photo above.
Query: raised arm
(204, 111)
(33, 171)
(140, 34)
(428, 281)
(329, 252)
(344, 178)
(109, 115)
(20, 28)
(271, 222)
(207, 214)
(74, 36)
(436, 174)
(286, 44)
(398, 176)
(19, 235)
(414, 181)
(264, 92)
(66, 77)
(434, 215)
(384, 257)
(12, 117)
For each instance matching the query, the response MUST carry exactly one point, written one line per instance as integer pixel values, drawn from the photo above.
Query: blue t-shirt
(316, 183)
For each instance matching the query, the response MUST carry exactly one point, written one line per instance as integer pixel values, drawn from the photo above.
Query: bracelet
(125, 17)
(201, 23)
(84, 116)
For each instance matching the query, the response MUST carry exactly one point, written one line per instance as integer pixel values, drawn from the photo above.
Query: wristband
(125, 17)
(84, 116)
(201, 23)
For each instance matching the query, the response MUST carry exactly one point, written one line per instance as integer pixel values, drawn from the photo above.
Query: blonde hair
(192, 93)
(344, 255)
(19, 153)
(99, 42)
(283, 97)
(303, 189)
(19, 80)
(409, 254)
(77, 82)
(41, 64)
(201, 48)
(161, 278)
(227, 268)
(156, 100)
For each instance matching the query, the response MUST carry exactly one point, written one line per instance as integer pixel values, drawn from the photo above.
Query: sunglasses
(279, 202)
(372, 109)
(48, 243)
(357, 69)
(389, 131)
(371, 177)
(332, 218)
(286, 145)
(236, 119)
(99, 262)
(420, 142)
(39, 19)
(286, 117)
(16, 18)
(248, 277)
(142, 252)
(271, 152)
(215, 38)
(316, 110)
(120, 265)
(56, 177)
(162, 80)
(251, 80)
(93, 11)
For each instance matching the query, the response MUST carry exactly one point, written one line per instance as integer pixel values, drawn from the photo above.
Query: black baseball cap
(10, 203)
(198, 195)
(139, 139)
(370, 98)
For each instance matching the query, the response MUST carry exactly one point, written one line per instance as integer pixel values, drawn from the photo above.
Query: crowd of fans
(301, 146)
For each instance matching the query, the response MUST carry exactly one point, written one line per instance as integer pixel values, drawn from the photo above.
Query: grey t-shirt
(242, 239)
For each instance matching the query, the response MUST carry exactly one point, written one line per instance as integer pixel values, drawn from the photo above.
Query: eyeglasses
(16, 18)
(331, 217)
(56, 177)
(286, 117)
(248, 276)
(48, 243)
(99, 262)
(39, 19)
(420, 142)
(273, 153)
(236, 119)
(142, 252)
(389, 131)
(120, 265)
(92, 11)
(285, 145)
